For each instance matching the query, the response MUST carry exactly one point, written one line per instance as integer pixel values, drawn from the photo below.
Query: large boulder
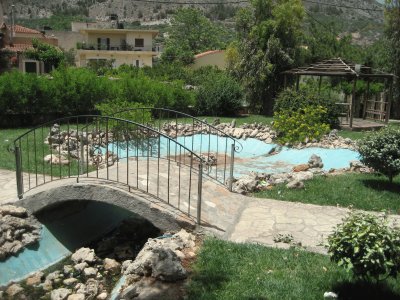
(84, 255)
(315, 161)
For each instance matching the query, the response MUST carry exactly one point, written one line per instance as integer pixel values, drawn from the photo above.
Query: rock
(13, 290)
(35, 279)
(295, 184)
(159, 263)
(53, 276)
(315, 162)
(90, 272)
(302, 176)
(80, 288)
(300, 168)
(92, 287)
(83, 255)
(150, 289)
(179, 254)
(216, 122)
(70, 281)
(11, 248)
(47, 285)
(68, 269)
(330, 295)
(14, 211)
(76, 297)
(112, 266)
(80, 267)
(102, 296)
(60, 294)
(129, 293)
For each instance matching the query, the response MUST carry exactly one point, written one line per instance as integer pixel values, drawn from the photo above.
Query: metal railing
(178, 125)
(116, 47)
(113, 149)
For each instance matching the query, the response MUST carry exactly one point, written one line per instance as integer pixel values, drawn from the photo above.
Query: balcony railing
(111, 47)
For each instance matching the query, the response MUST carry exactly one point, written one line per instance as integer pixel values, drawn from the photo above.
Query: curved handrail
(107, 118)
(111, 133)
(238, 145)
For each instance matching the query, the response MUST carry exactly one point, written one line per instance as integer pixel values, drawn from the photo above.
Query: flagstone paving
(231, 216)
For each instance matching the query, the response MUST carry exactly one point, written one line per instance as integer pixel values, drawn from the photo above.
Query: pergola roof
(337, 67)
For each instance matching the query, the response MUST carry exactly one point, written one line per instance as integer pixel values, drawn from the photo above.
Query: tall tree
(392, 32)
(191, 33)
(269, 34)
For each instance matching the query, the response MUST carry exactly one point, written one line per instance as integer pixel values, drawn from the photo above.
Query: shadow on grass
(205, 283)
(365, 290)
(381, 184)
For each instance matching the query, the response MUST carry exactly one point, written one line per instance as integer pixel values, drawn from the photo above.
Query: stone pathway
(232, 216)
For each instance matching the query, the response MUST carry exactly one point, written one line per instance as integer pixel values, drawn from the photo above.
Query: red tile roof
(208, 53)
(22, 29)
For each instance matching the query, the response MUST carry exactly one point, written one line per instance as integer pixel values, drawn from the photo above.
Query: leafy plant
(381, 151)
(301, 125)
(366, 246)
(49, 54)
(308, 95)
(219, 95)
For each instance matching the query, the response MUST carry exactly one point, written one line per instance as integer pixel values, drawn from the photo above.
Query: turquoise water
(60, 237)
(253, 157)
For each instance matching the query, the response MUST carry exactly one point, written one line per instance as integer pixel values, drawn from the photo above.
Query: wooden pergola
(337, 67)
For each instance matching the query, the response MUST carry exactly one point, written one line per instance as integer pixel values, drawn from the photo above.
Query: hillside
(364, 24)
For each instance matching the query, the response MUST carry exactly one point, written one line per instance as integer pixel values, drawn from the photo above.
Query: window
(139, 43)
(137, 63)
(31, 67)
(103, 44)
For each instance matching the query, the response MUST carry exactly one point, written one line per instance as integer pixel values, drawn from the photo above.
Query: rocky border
(18, 230)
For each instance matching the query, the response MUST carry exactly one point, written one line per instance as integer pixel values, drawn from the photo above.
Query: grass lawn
(362, 191)
(226, 270)
(33, 151)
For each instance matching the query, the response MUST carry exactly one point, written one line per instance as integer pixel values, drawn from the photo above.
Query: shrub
(381, 151)
(77, 90)
(293, 100)
(366, 246)
(109, 108)
(219, 95)
(301, 125)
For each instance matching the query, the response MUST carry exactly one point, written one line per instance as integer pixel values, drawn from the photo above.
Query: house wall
(213, 59)
(66, 39)
(123, 57)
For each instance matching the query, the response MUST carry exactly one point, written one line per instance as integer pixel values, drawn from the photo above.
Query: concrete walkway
(232, 216)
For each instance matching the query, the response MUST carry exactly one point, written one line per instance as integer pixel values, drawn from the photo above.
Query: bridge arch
(160, 214)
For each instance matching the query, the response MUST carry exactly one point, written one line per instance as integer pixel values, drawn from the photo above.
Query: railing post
(199, 193)
(20, 188)
(81, 156)
(232, 165)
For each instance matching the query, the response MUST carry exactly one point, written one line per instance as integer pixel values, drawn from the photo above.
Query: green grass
(362, 191)
(33, 150)
(230, 271)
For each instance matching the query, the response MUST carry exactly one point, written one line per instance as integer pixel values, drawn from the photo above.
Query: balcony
(111, 47)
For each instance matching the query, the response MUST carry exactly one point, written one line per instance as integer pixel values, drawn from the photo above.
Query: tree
(191, 33)
(50, 55)
(392, 32)
(269, 35)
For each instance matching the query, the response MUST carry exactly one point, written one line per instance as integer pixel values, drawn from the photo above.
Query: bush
(381, 151)
(301, 125)
(109, 108)
(307, 95)
(77, 90)
(219, 95)
(367, 246)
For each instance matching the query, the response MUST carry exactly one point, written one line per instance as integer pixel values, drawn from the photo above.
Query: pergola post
(366, 98)
(389, 101)
(297, 82)
(353, 100)
(319, 85)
